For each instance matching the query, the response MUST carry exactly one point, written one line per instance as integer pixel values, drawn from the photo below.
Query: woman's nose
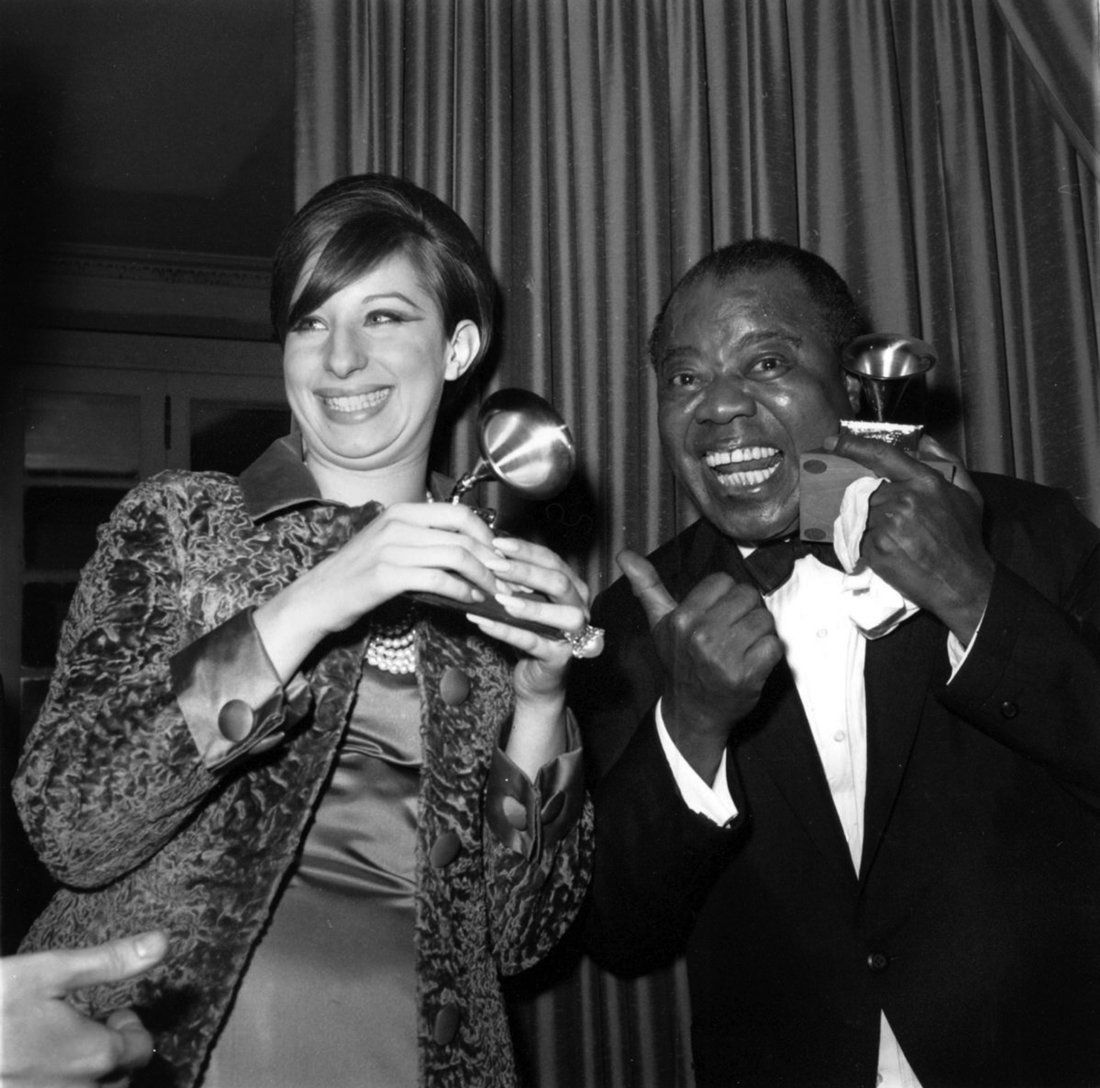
(725, 398)
(345, 354)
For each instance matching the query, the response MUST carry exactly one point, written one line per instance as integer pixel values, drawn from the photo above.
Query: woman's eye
(383, 317)
(309, 323)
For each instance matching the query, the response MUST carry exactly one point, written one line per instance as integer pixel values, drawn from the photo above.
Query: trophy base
(490, 609)
(823, 479)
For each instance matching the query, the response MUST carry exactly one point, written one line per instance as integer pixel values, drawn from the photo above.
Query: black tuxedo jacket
(974, 920)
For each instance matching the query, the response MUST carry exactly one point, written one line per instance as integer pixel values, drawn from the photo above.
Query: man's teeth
(749, 477)
(739, 455)
(731, 480)
(356, 403)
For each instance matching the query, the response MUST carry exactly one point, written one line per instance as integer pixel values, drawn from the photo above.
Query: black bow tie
(771, 564)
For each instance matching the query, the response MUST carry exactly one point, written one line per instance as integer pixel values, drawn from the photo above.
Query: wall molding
(116, 288)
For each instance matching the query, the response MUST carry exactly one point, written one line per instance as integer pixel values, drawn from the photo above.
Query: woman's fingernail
(148, 945)
(476, 594)
(498, 563)
(829, 443)
(515, 605)
(505, 543)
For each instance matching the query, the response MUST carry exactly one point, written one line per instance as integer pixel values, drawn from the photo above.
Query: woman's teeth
(754, 458)
(356, 403)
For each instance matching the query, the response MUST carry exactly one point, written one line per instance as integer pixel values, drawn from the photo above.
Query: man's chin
(751, 523)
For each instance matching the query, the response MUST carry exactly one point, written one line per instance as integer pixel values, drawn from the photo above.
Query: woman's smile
(351, 407)
(365, 371)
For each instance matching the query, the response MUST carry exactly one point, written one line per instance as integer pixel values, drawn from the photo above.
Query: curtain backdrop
(941, 153)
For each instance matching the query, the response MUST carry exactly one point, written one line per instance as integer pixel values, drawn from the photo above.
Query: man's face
(746, 381)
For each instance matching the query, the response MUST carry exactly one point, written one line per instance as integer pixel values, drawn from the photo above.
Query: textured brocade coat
(146, 831)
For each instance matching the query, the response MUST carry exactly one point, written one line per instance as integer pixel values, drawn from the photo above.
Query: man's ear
(464, 346)
(853, 389)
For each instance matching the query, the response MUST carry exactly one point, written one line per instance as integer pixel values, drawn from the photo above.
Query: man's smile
(743, 467)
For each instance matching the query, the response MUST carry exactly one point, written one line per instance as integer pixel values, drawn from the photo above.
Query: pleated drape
(600, 146)
(941, 153)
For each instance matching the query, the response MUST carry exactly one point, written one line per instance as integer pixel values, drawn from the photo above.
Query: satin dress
(329, 997)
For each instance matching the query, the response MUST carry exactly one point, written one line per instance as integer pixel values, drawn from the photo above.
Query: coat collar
(278, 480)
(901, 671)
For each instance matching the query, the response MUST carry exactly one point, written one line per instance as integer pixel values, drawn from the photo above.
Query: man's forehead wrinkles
(720, 334)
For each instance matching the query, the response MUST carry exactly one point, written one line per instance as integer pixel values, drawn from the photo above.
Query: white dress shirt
(825, 652)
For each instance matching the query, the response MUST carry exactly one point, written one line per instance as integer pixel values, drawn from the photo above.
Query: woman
(350, 815)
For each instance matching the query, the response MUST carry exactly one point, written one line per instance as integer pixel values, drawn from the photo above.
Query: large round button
(454, 686)
(235, 720)
(446, 1023)
(514, 813)
(444, 850)
(877, 961)
(552, 809)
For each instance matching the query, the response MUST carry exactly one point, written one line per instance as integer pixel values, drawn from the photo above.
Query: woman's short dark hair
(844, 320)
(358, 221)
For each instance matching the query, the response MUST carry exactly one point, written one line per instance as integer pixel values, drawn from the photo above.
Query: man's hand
(718, 647)
(924, 535)
(47, 1042)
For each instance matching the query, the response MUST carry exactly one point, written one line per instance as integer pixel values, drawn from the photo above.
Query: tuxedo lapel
(776, 740)
(899, 667)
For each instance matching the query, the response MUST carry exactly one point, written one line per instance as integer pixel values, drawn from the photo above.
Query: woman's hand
(538, 724)
(440, 548)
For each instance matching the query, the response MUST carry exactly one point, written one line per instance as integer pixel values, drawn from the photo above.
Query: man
(45, 1042)
(880, 856)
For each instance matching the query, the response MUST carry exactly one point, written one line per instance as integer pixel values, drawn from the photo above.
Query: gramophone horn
(891, 369)
(524, 443)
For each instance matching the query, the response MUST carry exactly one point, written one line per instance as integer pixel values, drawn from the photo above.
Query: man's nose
(726, 398)
(345, 353)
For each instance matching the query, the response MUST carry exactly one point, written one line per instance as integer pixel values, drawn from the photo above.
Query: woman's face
(364, 371)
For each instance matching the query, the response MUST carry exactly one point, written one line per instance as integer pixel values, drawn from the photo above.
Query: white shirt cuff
(957, 652)
(714, 802)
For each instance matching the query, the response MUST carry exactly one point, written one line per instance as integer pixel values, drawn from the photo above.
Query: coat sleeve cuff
(230, 694)
(531, 817)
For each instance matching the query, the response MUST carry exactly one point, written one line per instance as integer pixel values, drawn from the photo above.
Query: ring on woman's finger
(589, 643)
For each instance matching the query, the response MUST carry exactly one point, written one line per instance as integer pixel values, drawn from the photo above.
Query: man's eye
(681, 379)
(770, 366)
